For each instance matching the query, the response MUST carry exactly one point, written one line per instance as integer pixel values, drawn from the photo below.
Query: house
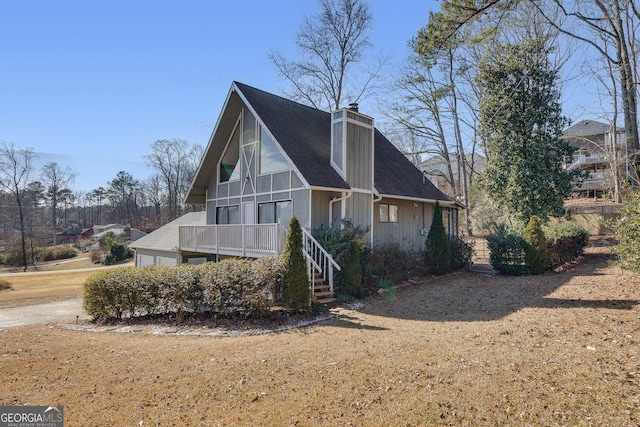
(270, 158)
(599, 151)
(436, 170)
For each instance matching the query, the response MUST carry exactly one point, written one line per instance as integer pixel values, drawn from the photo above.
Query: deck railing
(253, 240)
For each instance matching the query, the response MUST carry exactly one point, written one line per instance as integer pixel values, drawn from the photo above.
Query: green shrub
(461, 253)
(627, 230)
(349, 250)
(566, 241)
(295, 282)
(507, 251)
(438, 247)
(226, 288)
(387, 289)
(52, 253)
(536, 255)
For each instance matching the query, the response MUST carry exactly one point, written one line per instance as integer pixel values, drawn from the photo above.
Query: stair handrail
(317, 259)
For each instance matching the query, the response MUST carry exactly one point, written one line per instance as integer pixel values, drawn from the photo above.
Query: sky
(91, 85)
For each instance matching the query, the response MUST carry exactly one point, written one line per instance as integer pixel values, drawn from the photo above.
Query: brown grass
(465, 349)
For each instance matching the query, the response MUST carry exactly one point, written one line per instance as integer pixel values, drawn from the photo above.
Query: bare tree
(170, 158)
(56, 180)
(16, 167)
(331, 45)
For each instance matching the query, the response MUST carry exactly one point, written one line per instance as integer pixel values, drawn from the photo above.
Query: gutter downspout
(338, 199)
(373, 212)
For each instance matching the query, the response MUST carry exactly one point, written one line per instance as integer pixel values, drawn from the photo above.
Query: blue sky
(91, 85)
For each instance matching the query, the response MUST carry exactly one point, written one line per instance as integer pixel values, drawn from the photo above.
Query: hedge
(225, 288)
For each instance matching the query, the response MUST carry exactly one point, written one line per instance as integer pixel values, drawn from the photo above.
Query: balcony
(244, 240)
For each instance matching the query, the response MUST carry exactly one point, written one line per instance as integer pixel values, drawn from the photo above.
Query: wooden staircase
(320, 266)
(321, 291)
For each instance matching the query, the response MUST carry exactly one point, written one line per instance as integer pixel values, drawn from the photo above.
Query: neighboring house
(161, 246)
(270, 158)
(73, 235)
(435, 168)
(597, 154)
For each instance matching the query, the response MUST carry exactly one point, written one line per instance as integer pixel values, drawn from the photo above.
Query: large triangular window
(271, 160)
(230, 165)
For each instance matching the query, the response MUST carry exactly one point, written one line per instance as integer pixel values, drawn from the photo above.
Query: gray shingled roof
(166, 238)
(304, 133)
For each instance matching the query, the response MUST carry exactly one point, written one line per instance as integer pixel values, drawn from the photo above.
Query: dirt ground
(465, 349)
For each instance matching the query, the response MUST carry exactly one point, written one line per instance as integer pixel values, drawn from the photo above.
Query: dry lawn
(465, 349)
(52, 281)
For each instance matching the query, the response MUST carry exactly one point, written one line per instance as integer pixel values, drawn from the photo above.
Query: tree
(521, 122)
(16, 167)
(438, 246)
(98, 195)
(171, 159)
(56, 179)
(295, 283)
(331, 45)
(608, 27)
(123, 195)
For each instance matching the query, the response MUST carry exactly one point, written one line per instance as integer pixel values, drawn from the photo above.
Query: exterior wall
(254, 187)
(358, 209)
(152, 257)
(414, 221)
(320, 208)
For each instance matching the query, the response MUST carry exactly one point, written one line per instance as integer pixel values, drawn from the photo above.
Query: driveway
(61, 311)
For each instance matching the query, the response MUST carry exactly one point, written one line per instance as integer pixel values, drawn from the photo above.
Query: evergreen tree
(536, 254)
(521, 124)
(438, 247)
(295, 283)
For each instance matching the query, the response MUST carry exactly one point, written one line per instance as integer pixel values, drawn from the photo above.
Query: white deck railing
(319, 261)
(253, 240)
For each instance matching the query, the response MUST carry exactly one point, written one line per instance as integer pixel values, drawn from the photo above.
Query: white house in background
(270, 158)
(596, 153)
(435, 168)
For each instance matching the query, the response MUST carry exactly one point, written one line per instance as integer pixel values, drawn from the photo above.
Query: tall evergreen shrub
(438, 246)
(536, 254)
(295, 283)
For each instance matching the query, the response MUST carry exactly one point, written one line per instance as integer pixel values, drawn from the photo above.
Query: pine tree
(295, 283)
(438, 246)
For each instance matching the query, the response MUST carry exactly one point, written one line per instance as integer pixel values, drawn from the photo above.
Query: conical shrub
(438, 246)
(295, 283)
(536, 254)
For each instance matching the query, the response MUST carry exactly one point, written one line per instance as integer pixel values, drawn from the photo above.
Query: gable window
(275, 212)
(228, 215)
(230, 164)
(388, 213)
(271, 160)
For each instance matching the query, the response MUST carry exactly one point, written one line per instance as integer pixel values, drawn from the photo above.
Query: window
(228, 215)
(271, 160)
(337, 144)
(388, 213)
(230, 165)
(275, 212)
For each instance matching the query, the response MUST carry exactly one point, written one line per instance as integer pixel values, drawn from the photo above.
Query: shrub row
(509, 252)
(566, 242)
(13, 253)
(225, 288)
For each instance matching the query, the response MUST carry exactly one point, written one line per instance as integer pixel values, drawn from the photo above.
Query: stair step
(324, 300)
(323, 294)
(321, 287)
(317, 280)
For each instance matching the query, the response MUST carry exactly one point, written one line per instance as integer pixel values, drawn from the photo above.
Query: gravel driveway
(61, 311)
